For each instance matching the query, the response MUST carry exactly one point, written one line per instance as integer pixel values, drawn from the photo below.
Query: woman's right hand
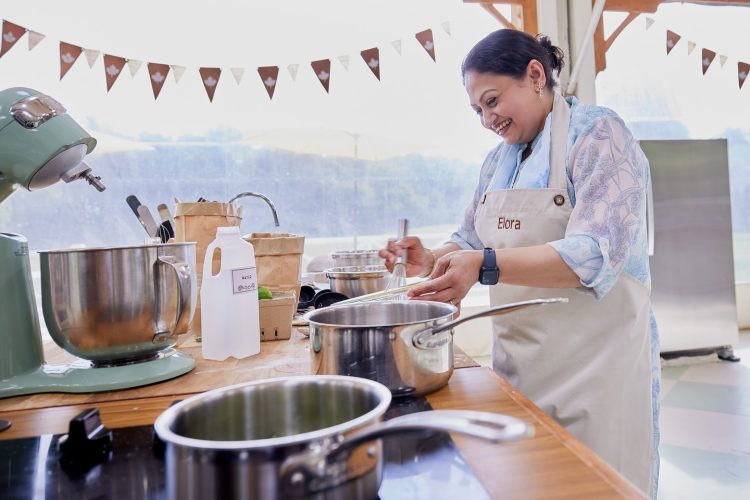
(419, 260)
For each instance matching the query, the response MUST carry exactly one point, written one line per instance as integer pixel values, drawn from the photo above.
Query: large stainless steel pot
(120, 304)
(297, 437)
(405, 345)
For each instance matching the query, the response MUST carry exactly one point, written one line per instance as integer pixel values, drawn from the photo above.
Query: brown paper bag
(198, 222)
(278, 257)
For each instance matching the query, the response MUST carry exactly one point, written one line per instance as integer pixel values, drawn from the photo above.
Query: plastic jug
(230, 323)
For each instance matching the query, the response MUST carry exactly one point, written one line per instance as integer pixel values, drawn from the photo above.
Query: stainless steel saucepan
(298, 437)
(405, 345)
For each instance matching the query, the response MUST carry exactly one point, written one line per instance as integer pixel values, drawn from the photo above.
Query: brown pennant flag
(269, 75)
(322, 70)
(743, 69)
(425, 40)
(158, 75)
(68, 55)
(672, 39)
(372, 59)
(707, 57)
(11, 34)
(112, 68)
(210, 77)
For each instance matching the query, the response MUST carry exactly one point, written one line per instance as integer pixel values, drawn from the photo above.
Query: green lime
(264, 293)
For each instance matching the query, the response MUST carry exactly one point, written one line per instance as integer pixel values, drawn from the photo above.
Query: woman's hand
(453, 277)
(418, 258)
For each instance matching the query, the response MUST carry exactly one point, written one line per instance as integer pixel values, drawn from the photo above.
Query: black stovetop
(414, 467)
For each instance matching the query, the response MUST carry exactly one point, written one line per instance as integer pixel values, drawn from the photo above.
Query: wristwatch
(489, 274)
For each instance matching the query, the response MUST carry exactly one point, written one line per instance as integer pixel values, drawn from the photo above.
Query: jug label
(244, 280)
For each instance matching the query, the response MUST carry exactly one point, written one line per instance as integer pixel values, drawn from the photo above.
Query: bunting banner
(134, 66)
(238, 73)
(691, 47)
(322, 69)
(425, 40)
(177, 72)
(344, 60)
(672, 39)
(396, 44)
(158, 75)
(34, 38)
(707, 57)
(11, 34)
(372, 59)
(742, 70)
(68, 55)
(292, 68)
(112, 68)
(269, 75)
(91, 56)
(210, 77)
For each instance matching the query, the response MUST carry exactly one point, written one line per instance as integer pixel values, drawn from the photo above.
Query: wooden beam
(631, 17)
(497, 15)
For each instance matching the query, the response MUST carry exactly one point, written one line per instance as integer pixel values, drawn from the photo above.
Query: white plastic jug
(229, 299)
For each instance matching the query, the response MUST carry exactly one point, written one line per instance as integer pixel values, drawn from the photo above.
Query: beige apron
(587, 363)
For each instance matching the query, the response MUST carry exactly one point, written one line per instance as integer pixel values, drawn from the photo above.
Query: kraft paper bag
(198, 222)
(278, 257)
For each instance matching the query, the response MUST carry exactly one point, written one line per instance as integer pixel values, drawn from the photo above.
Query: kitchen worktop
(552, 464)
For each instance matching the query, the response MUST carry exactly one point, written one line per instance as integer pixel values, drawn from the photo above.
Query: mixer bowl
(118, 305)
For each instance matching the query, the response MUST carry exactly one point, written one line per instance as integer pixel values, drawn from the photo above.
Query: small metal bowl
(347, 258)
(354, 281)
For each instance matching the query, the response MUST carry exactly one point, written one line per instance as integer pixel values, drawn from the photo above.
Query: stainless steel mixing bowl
(354, 281)
(120, 304)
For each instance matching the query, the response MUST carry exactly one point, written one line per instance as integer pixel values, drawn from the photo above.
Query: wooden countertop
(552, 464)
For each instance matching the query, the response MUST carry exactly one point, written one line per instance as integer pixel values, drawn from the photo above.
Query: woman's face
(509, 107)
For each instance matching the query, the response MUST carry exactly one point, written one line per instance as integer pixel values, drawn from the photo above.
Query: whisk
(398, 277)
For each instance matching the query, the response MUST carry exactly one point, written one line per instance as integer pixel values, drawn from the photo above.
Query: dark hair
(508, 52)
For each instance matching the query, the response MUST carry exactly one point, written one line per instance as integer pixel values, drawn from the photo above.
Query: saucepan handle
(422, 339)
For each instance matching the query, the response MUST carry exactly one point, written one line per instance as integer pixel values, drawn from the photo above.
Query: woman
(560, 209)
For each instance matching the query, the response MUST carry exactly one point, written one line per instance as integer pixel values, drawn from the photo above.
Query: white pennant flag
(722, 60)
(238, 73)
(292, 68)
(177, 71)
(691, 46)
(91, 56)
(447, 27)
(649, 22)
(134, 66)
(34, 38)
(344, 60)
(397, 46)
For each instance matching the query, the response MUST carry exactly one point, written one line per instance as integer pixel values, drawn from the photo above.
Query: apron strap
(559, 143)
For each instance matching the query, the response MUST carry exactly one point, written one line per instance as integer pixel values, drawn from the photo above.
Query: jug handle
(182, 270)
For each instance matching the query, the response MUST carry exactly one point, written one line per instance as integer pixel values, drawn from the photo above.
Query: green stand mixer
(117, 309)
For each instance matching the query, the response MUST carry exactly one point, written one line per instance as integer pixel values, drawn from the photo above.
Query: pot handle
(422, 339)
(310, 466)
(182, 270)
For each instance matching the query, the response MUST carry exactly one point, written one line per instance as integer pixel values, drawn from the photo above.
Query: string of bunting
(113, 65)
(707, 55)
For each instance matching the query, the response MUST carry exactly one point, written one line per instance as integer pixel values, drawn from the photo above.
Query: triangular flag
(722, 60)
(237, 73)
(707, 57)
(134, 66)
(344, 60)
(158, 75)
(34, 38)
(210, 77)
(292, 68)
(177, 72)
(426, 41)
(322, 69)
(691, 47)
(447, 27)
(269, 75)
(396, 44)
(672, 39)
(112, 68)
(91, 56)
(649, 22)
(68, 55)
(742, 70)
(11, 34)
(372, 59)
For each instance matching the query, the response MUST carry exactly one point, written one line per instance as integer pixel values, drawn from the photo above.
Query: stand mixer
(41, 144)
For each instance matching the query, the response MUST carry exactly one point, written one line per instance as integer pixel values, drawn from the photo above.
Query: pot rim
(127, 247)
(357, 272)
(163, 423)
(450, 307)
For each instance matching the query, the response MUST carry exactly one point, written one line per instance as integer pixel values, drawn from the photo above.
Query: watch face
(489, 276)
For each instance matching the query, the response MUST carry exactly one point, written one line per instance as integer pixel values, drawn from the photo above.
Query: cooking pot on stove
(406, 345)
(118, 305)
(298, 437)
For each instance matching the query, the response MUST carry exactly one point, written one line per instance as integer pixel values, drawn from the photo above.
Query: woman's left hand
(453, 277)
